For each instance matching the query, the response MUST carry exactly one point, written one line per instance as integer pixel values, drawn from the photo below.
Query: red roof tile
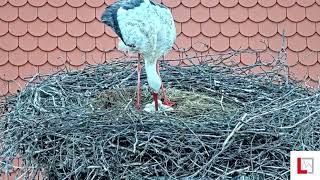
(191, 28)
(18, 28)
(76, 3)
(318, 28)
(312, 13)
(76, 57)
(8, 12)
(181, 13)
(267, 3)
(314, 72)
(48, 42)
(16, 85)
(3, 2)
(57, 28)
(275, 42)
(99, 11)
(230, 28)
(85, 13)
(189, 3)
(4, 88)
(108, 2)
(248, 58)
(178, 27)
(200, 13)
(67, 43)
(207, 3)
(57, 3)
(17, 2)
(38, 57)
(248, 3)
(258, 13)
(307, 57)
(312, 84)
(200, 43)
(303, 31)
(238, 13)
(4, 57)
(233, 61)
(292, 57)
(286, 3)
(8, 42)
(86, 43)
(220, 43)
(95, 28)
(258, 42)
(18, 57)
(47, 69)
(67, 13)
(228, 3)
(297, 43)
(4, 27)
(313, 42)
(268, 58)
(105, 43)
(219, 13)
(110, 32)
(37, 3)
(268, 28)
(47, 13)
(296, 13)
(96, 57)
(37, 27)
(211, 28)
(27, 71)
(76, 28)
(114, 55)
(8, 72)
(298, 72)
(239, 42)
(183, 41)
(171, 3)
(277, 13)
(192, 57)
(249, 28)
(28, 13)
(57, 57)
(305, 3)
(289, 27)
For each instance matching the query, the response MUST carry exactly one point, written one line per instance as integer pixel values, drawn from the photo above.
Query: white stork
(148, 28)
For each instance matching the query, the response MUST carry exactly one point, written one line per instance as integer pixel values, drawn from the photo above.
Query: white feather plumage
(151, 30)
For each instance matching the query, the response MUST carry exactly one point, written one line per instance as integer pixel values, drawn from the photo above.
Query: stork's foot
(167, 102)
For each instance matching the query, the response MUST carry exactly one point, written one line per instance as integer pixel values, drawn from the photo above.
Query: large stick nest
(227, 124)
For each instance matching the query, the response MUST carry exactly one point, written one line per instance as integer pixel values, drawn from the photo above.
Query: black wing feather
(109, 16)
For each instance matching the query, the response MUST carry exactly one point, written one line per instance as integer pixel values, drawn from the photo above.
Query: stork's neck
(153, 77)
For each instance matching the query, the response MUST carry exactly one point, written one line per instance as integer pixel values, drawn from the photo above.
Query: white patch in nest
(151, 107)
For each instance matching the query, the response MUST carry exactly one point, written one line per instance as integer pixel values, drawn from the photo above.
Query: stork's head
(153, 77)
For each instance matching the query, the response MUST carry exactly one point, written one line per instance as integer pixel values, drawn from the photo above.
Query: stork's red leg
(155, 99)
(166, 100)
(138, 101)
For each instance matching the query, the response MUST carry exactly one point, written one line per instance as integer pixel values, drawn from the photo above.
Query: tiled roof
(45, 35)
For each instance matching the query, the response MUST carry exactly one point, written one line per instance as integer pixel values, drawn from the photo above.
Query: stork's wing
(109, 16)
